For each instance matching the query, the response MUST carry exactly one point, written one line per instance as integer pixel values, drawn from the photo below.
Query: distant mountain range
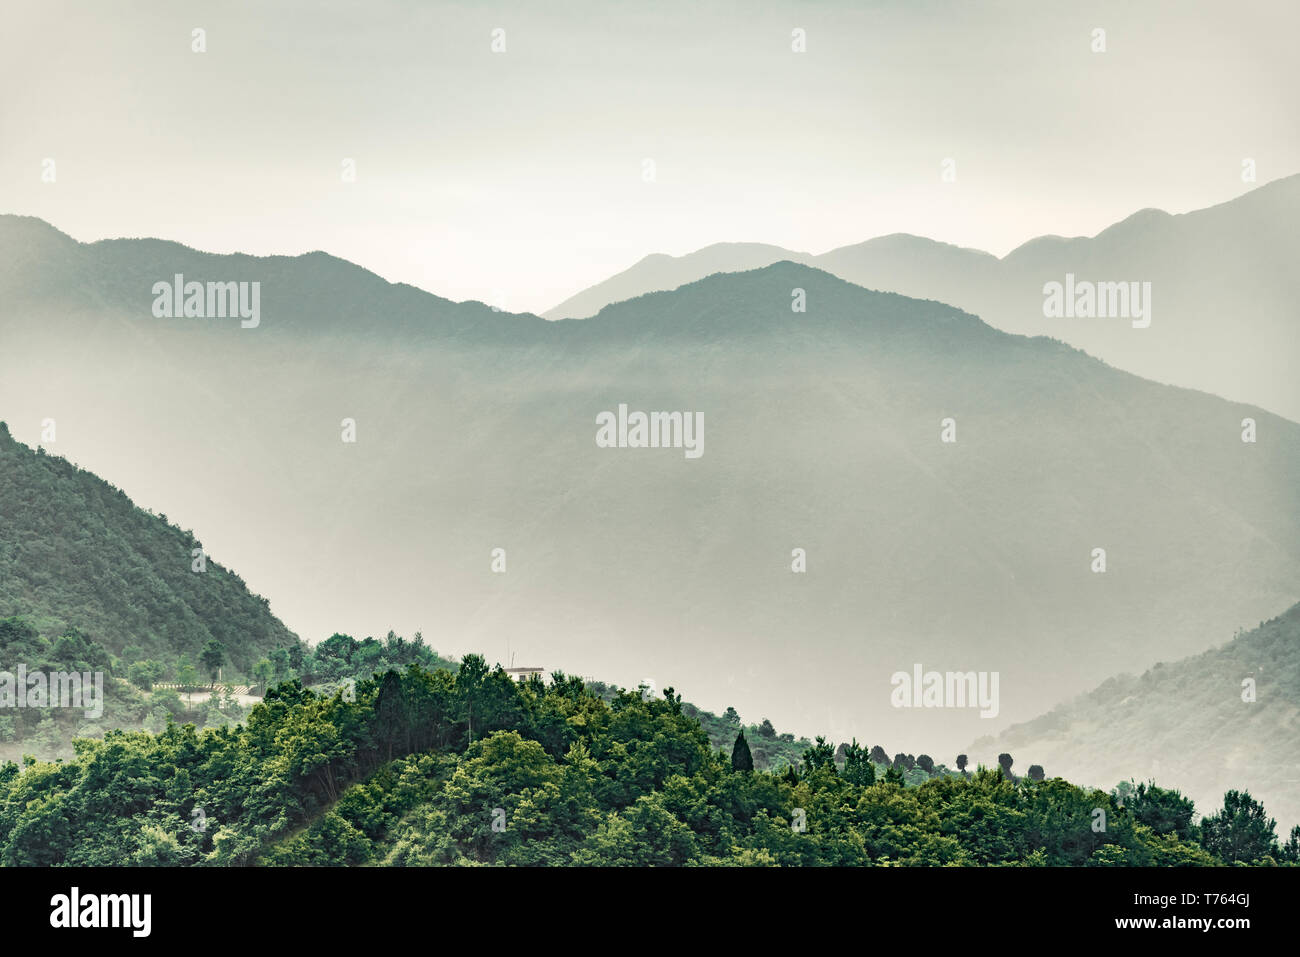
(1225, 293)
(476, 430)
(1189, 723)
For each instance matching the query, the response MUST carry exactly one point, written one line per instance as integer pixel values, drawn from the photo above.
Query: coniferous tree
(741, 758)
(1291, 850)
(1240, 831)
(1163, 810)
(858, 768)
(820, 755)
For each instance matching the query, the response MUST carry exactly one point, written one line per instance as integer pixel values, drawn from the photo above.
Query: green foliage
(143, 674)
(213, 657)
(1240, 832)
(90, 583)
(1164, 811)
(77, 553)
(434, 767)
(1192, 715)
(770, 750)
(136, 704)
(1291, 850)
(858, 768)
(741, 758)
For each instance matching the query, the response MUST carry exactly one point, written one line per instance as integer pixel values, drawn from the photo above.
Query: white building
(523, 674)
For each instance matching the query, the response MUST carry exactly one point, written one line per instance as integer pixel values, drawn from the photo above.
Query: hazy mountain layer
(477, 430)
(1223, 293)
(1187, 723)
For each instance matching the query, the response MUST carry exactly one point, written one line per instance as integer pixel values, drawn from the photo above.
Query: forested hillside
(431, 767)
(770, 749)
(91, 583)
(148, 693)
(1227, 717)
(75, 552)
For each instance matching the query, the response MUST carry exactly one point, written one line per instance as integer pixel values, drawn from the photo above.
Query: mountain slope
(658, 272)
(75, 552)
(476, 430)
(1223, 290)
(1185, 724)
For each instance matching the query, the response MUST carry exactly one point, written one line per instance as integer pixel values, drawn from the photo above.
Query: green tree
(213, 657)
(1164, 811)
(1240, 831)
(1291, 850)
(279, 658)
(143, 674)
(741, 758)
(858, 768)
(820, 755)
(1005, 761)
(263, 673)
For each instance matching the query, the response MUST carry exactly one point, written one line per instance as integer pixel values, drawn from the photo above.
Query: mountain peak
(1142, 220)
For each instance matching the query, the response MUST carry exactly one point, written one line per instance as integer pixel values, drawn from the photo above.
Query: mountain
(476, 430)
(1223, 291)
(75, 553)
(658, 272)
(1186, 722)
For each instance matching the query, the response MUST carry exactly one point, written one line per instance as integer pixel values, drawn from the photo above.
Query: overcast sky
(517, 177)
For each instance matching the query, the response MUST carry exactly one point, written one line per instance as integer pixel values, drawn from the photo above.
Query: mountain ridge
(1185, 721)
(1223, 290)
(822, 430)
(178, 611)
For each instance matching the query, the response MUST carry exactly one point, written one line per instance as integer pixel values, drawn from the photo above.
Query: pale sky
(516, 177)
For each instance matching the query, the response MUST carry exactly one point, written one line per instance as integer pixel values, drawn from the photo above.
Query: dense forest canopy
(470, 767)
